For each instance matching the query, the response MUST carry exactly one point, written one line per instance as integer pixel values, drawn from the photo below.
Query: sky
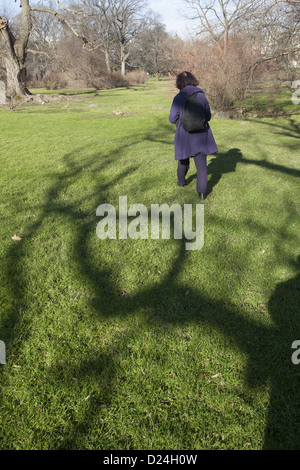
(171, 15)
(169, 10)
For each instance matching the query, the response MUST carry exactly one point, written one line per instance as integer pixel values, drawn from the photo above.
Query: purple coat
(186, 144)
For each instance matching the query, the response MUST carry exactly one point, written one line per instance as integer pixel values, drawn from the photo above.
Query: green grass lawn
(270, 102)
(141, 344)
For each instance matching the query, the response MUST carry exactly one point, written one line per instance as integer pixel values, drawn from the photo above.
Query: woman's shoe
(202, 196)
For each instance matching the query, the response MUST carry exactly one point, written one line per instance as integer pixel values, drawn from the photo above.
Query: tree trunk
(123, 56)
(123, 61)
(107, 60)
(14, 53)
(123, 67)
(15, 85)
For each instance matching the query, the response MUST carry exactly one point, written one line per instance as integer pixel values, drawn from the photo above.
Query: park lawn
(142, 344)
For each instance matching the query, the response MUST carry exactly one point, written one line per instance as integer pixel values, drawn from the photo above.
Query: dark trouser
(200, 162)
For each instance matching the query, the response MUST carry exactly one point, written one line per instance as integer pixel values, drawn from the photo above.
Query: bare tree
(218, 18)
(276, 26)
(274, 23)
(151, 49)
(118, 23)
(240, 36)
(127, 22)
(45, 40)
(98, 21)
(14, 47)
(14, 52)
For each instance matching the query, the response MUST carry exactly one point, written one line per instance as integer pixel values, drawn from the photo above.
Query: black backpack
(193, 115)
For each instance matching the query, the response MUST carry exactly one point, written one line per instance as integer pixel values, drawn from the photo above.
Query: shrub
(117, 80)
(53, 81)
(223, 74)
(136, 77)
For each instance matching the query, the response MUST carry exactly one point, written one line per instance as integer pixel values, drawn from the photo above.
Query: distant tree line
(106, 43)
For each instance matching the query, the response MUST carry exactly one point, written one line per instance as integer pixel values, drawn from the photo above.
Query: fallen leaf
(16, 238)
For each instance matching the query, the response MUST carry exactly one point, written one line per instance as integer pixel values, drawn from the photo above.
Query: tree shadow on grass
(291, 129)
(267, 346)
(226, 162)
(282, 430)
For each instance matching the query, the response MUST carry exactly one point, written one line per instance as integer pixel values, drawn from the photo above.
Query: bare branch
(63, 20)
(37, 52)
(69, 9)
(255, 64)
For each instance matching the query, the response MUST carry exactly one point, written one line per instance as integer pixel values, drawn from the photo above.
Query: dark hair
(184, 79)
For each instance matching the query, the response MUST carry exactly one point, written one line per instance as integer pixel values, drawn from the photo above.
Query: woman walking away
(197, 143)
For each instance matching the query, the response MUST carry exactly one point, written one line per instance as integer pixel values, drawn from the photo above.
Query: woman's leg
(200, 162)
(182, 169)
